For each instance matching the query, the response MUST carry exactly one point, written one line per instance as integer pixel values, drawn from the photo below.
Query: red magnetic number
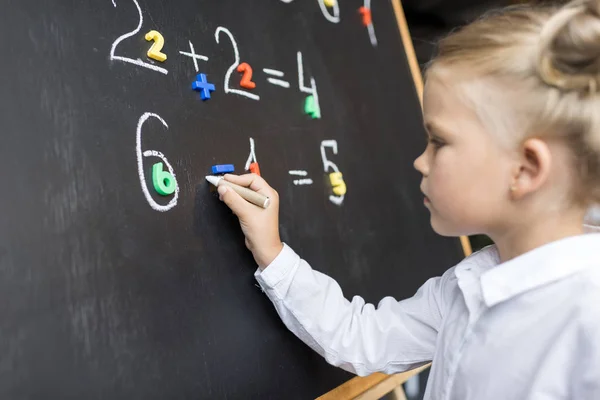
(366, 15)
(246, 81)
(254, 168)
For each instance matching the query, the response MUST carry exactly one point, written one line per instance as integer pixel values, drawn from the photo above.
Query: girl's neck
(529, 235)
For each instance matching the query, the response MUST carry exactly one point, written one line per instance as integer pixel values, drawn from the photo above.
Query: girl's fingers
(253, 182)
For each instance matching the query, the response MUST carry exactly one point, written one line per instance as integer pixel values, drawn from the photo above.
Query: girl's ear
(535, 162)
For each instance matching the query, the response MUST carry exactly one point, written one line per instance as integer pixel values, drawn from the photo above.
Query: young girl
(512, 111)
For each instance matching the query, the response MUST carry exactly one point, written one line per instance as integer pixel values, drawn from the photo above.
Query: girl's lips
(425, 198)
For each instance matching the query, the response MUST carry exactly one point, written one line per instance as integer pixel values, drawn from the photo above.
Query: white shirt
(525, 329)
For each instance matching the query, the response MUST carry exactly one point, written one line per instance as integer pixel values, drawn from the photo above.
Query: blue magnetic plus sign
(201, 84)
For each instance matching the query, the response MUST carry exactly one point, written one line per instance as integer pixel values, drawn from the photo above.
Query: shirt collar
(546, 264)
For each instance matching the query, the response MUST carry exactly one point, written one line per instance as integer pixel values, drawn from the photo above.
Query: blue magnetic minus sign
(223, 169)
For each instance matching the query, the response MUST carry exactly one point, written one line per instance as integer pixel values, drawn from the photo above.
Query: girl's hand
(260, 226)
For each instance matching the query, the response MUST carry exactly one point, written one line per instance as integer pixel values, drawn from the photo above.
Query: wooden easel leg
(398, 394)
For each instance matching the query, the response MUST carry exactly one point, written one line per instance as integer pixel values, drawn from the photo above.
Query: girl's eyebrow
(431, 127)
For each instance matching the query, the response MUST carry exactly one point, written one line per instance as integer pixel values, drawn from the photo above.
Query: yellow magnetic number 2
(155, 51)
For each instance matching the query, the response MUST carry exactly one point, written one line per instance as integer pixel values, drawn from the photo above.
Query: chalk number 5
(337, 176)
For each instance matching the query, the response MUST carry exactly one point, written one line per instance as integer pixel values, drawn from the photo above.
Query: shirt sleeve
(395, 336)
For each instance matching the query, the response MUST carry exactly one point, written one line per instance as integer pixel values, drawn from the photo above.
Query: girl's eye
(436, 143)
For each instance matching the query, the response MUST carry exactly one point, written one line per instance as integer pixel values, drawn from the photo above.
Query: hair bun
(593, 7)
(569, 49)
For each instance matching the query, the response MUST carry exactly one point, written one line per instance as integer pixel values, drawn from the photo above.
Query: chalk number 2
(134, 32)
(234, 66)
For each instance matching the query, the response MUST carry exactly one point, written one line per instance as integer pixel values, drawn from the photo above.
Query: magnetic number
(366, 15)
(159, 42)
(137, 62)
(163, 181)
(236, 62)
(246, 81)
(337, 183)
(153, 153)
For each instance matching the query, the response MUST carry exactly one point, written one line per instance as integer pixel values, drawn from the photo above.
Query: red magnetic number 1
(246, 81)
(366, 16)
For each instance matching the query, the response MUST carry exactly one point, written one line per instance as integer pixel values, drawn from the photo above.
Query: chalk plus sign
(202, 85)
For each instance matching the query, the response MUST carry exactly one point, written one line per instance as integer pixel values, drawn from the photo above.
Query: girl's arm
(358, 337)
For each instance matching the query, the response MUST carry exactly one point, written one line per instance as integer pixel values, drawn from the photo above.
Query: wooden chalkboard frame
(374, 386)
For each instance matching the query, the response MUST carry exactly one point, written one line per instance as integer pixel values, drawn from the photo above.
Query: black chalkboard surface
(109, 290)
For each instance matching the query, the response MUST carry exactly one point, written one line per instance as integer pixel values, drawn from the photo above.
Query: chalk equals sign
(301, 182)
(274, 81)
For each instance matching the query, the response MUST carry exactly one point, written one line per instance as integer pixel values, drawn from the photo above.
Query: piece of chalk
(247, 194)
(223, 169)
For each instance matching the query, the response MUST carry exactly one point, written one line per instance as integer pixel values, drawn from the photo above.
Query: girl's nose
(420, 164)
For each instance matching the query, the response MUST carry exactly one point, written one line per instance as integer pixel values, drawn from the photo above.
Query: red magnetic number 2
(246, 81)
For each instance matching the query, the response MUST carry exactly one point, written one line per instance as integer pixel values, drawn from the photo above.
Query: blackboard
(108, 292)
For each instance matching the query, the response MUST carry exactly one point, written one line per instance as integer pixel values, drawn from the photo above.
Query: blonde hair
(551, 56)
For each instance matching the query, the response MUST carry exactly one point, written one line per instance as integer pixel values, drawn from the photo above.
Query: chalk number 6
(153, 153)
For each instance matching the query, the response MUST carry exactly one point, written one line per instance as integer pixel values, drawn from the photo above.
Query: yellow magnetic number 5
(338, 184)
(155, 51)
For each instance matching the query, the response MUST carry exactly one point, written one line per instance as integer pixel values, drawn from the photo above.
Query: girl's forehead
(469, 88)
(443, 96)
(469, 106)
